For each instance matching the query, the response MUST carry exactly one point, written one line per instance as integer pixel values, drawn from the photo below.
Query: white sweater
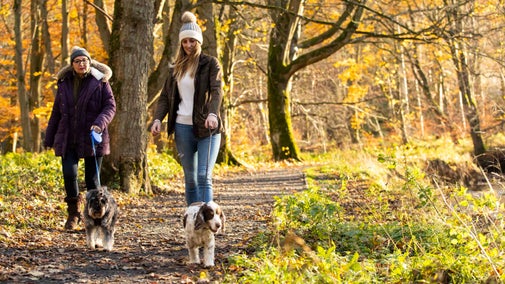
(187, 92)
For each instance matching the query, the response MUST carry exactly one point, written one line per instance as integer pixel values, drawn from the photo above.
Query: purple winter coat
(95, 106)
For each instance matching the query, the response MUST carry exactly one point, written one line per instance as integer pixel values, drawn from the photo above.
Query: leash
(208, 154)
(96, 137)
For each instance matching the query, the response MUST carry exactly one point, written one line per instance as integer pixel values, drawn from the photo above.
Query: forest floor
(149, 246)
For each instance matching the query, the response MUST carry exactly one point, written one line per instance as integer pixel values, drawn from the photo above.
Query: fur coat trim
(98, 70)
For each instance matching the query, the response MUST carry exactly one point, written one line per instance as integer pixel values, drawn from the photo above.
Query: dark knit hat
(190, 28)
(78, 51)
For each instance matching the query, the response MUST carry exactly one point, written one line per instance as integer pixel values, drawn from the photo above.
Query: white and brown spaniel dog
(201, 221)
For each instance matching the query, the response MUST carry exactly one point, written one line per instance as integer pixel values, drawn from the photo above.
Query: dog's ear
(223, 219)
(89, 193)
(200, 219)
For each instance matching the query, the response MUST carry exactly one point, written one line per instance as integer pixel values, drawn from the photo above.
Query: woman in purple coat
(84, 102)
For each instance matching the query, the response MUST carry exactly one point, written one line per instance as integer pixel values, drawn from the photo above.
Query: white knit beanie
(190, 28)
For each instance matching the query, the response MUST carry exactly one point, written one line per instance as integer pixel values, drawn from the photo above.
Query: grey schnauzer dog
(100, 217)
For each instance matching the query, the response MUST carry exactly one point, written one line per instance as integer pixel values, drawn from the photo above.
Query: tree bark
(205, 12)
(102, 22)
(46, 38)
(32, 142)
(279, 116)
(20, 72)
(64, 34)
(130, 56)
(158, 76)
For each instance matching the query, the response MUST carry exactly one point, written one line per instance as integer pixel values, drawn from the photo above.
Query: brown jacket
(208, 97)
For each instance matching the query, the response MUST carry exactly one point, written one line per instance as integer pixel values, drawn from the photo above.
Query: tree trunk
(32, 143)
(130, 55)
(227, 59)
(263, 113)
(206, 12)
(64, 34)
(46, 38)
(458, 56)
(404, 96)
(286, 56)
(102, 23)
(280, 54)
(84, 28)
(20, 72)
(279, 116)
(471, 112)
(171, 43)
(424, 85)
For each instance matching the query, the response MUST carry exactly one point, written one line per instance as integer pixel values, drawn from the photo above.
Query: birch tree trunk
(404, 96)
(130, 56)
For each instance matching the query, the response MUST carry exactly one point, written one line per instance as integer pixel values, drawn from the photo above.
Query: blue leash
(96, 137)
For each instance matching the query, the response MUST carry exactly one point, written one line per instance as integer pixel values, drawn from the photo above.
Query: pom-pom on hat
(78, 51)
(190, 28)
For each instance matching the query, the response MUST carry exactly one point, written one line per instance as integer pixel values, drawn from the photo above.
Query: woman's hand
(156, 127)
(96, 128)
(211, 121)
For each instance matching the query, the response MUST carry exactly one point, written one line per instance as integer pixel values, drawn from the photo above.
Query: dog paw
(208, 265)
(107, 248)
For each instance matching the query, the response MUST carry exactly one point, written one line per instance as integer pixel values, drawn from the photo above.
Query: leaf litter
(149, 245)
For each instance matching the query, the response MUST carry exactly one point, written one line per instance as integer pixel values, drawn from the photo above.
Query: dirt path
(149, 242)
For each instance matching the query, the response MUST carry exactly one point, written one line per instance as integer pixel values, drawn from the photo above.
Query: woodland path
(149, 245)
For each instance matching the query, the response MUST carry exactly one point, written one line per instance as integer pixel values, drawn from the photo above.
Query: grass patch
(380, 218)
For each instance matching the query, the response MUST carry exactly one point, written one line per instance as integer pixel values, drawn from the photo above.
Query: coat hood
(99, 70)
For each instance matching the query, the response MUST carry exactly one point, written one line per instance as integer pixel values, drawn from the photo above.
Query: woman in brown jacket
(192, 98)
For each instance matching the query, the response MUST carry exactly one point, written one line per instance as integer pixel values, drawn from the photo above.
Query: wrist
(157, 120)
(213, 114)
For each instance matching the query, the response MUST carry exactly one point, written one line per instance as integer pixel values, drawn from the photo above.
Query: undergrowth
(369, 216)
(32, 193)
(29, 192)
(376, 217)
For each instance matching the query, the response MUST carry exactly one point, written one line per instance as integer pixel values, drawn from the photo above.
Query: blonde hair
(186, 62)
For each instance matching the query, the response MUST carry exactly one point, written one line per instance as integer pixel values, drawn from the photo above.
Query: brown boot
(74, 205)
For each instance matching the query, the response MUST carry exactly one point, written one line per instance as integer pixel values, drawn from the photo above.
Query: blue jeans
(69, 165)
(197, 162)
